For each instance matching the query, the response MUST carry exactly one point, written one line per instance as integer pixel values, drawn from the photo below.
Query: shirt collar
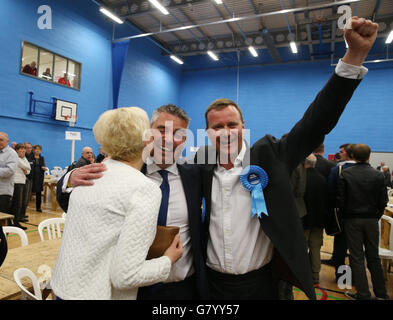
(151, 167)
(4, 149)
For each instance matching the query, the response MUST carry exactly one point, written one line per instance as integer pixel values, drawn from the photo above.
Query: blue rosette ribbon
(255, 179)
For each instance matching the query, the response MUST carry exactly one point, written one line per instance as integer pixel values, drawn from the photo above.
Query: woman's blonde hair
(121, 131)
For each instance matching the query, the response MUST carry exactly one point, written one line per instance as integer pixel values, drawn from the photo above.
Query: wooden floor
(328, 289)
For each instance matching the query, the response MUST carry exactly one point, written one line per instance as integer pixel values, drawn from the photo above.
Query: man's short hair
(37, 146)
(20, 146)
(361, 152)
(173, 110)
(121, 132)
(221, 104)
(348, 147)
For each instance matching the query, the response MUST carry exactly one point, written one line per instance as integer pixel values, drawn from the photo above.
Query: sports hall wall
(79, 32)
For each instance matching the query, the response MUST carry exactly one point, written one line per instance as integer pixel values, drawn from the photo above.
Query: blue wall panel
(274, 98)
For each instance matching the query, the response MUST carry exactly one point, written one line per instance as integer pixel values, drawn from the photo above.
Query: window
(45, 70)
(74, 71)
(49, 66)
(60, 73)
(29, 59)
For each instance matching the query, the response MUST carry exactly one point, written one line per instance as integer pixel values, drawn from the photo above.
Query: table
(41, 254)
(4, 217)
(51, 184)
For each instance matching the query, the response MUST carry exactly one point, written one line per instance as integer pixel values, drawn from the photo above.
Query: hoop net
(71, 120)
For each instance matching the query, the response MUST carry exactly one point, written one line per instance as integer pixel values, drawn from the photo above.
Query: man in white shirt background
(8, 164)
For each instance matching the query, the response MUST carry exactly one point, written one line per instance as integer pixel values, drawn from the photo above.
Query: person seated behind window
(62, 80)
(112, 223)
(47, 75)
(30, 69)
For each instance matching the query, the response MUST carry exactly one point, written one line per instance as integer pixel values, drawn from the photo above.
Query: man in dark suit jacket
(86, 158)
(187, 279)
(241, 256)
(323, 165)
(362, 198)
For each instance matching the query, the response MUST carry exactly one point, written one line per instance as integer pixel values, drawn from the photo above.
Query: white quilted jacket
(108, 231)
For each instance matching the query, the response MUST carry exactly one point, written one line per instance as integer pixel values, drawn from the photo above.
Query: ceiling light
(253, 51)
(111, 15)
(390, 37)
(212, 55)
(176, 59)
(159, 6)
(218, 1)
(293, 47)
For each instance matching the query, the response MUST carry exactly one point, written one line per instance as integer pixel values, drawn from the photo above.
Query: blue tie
(165, 198)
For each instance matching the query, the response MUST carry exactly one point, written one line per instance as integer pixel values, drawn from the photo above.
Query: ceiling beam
(243, 18)
(267, 38)
(142, 7)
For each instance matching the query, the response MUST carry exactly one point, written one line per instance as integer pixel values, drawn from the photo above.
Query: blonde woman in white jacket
(22, 170)
(111, 224)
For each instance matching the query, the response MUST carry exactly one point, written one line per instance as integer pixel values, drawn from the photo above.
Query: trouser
(285, 290)
(3, 245)
(17, 202)
(5, 204)
(38, 200)
(314, 239)
(181, 290)
(26, 196)
(255, 285)
(359, 233)
(339, 249)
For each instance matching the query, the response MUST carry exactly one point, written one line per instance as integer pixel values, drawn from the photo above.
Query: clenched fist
(360, 38)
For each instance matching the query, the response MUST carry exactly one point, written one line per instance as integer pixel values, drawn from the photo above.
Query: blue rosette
(255, 179)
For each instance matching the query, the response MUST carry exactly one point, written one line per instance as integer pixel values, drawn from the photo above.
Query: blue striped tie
(165, 198)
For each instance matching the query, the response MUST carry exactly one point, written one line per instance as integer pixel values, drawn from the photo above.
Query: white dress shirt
(237, 243)
(177, 216)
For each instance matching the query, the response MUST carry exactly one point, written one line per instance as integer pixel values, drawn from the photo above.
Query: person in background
(386, 174)
(8, 165)
(38, 169)
(62, 80)
(315, 198)
(323, 165)
(101, 156)
(19, 185)
(30, 69)
(337, 157)
(111, 224)
(362, 198)
(29, 182)
(86, 158)
(47, 75)
(340, 244)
